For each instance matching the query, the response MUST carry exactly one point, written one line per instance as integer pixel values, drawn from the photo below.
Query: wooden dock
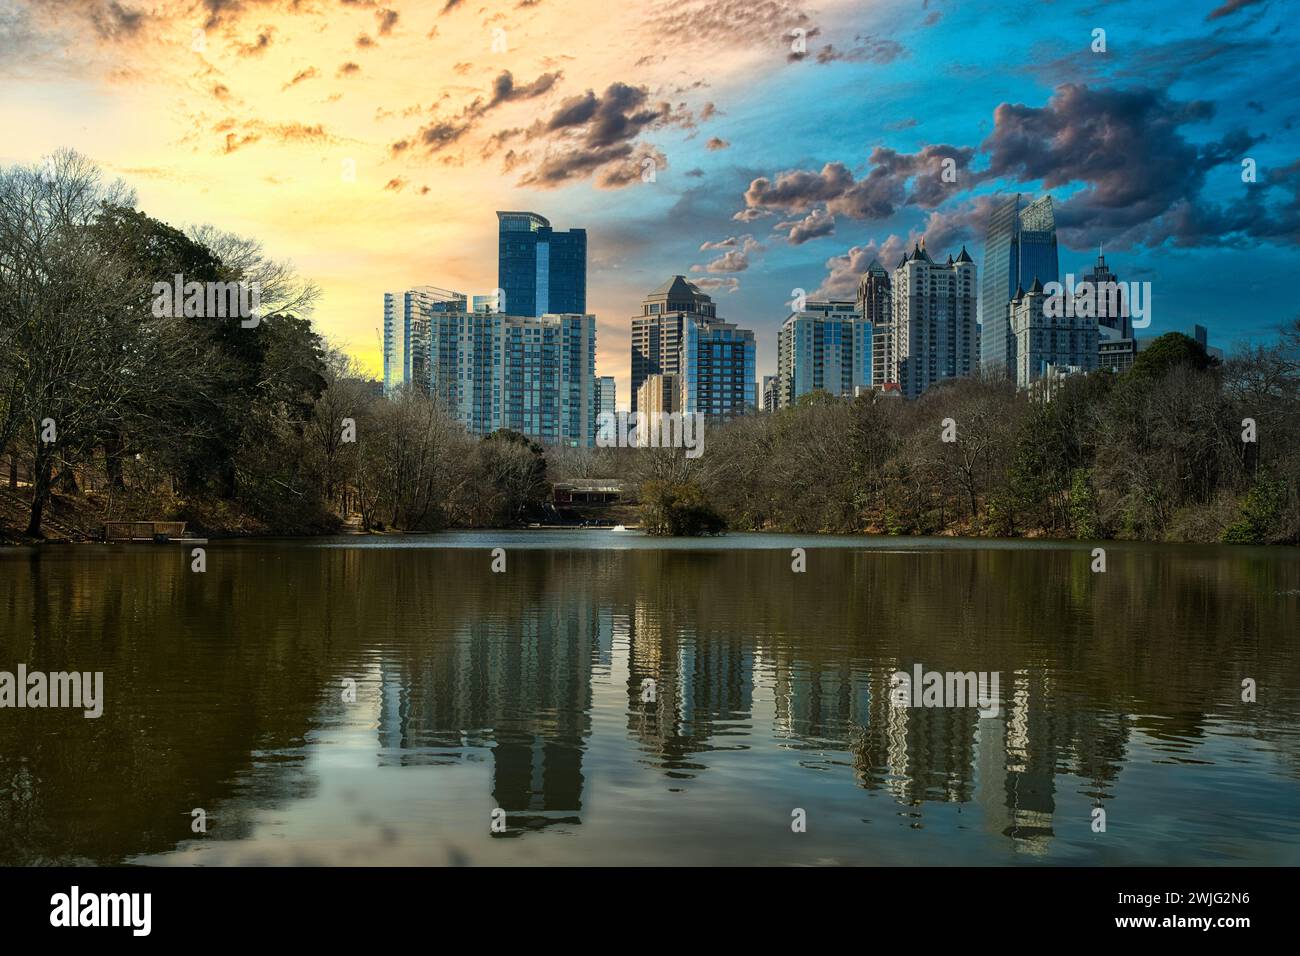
(158, 532)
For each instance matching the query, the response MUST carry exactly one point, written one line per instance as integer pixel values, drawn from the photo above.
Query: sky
(755, 146)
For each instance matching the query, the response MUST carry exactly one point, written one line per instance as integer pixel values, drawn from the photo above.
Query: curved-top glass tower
(1020, 246)
(540, 270)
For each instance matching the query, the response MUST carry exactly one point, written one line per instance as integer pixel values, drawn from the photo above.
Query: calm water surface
(523, 691)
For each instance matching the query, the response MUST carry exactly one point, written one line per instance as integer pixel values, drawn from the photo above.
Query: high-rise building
(539, 270)
(1047, 344)
(1109, 298)
(825, 346)
(407, 330)
(771, 392)
(933, 308)
(659, 394)
(535, 374)
(657, 331)
(466, 365)
(679, 333)
(606, 395)
(1020, 247)
(874, 305)
(717, 369)
(549, 377)
(1116, 342)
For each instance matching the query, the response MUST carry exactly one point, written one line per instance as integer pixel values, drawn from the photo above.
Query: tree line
(268, 428)
(1180, 447)
(265, 427)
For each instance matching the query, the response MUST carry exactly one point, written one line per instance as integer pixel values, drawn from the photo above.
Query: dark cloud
(815, 225)
(716, 143)
(238, 134)
(444, 131)
(259, 45)
(895, 179)
(349, 69)
(591, 135)
(387, 20)
(868, 49)
(1232, 6)
(736, 251)
(301, 76)
(845, 270)
(1125, 146)
(505, 90)
(111, 20)
(364, 41)
(965, 222)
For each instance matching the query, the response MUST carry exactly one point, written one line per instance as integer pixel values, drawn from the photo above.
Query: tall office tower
(933, 321)
(549, 377)
(539, 270)
(771, 391)
(874, 307)
(1020, 247)
(406, 333)
(659, 394)
(1041, 340)
(717, 369)
(826, 346)
(606, 395)
(657, 331)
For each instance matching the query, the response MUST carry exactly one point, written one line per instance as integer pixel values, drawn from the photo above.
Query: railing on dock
(143, 530)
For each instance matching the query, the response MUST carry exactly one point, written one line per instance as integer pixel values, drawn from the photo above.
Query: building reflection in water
(220, 687)
(517, 688)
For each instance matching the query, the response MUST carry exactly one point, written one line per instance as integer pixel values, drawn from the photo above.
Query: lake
(615, 699)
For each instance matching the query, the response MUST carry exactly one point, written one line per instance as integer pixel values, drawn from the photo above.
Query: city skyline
(371, 144)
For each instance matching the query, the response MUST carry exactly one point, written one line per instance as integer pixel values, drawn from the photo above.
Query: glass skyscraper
(1020, 247)
(540, 270)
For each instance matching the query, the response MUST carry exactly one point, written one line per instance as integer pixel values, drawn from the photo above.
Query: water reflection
(525, 692)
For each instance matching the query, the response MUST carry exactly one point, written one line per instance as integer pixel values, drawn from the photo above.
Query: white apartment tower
(932, 323)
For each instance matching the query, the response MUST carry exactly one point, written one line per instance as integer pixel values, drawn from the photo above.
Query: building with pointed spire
(874, 305)
(1116, 341)
(1044, 342)
(932, 329)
